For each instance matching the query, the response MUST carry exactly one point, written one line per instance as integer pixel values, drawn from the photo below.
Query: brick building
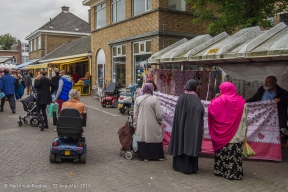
(12, 56)
(59, 30)
(131, 31)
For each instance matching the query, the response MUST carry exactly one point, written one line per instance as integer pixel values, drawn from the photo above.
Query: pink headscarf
(224, 115)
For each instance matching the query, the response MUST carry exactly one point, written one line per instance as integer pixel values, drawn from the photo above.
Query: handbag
(247, 150)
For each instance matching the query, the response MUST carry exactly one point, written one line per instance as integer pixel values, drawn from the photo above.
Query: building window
(39, 42)
(118, 10)
(284, 18)
(141, 53)
(34, 47)
(119, 65)
(100, 16)
(141, 6)
(179, 5)
(31, 47)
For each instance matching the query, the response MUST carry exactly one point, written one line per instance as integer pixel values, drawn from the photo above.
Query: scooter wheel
(103, 104)
(122, 110)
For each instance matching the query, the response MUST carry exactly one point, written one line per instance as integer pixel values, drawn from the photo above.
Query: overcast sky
(21, 17)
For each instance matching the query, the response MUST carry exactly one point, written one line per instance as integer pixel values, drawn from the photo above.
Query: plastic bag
(247, 150)
(2, 95)
(134, 143)
(51, 109)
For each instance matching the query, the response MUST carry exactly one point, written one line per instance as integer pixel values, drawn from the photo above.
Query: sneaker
(284, 131)
(146, 160)
(165, 158)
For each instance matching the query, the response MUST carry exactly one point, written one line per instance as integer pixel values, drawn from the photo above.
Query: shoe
(284, 131)
(1, 110)
(165, 158)
(146, 160)
(13, 111)
(45, 126)
(42, 127)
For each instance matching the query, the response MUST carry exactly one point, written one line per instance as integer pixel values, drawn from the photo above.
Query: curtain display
(263, 133)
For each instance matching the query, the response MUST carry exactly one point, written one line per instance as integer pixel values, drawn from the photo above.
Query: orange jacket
(73, 103)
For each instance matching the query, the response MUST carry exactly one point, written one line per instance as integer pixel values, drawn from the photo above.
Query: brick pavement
(24, 163)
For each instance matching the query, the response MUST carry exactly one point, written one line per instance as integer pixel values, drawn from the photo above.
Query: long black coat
(282, 105)
(43, 86)
(187, 131)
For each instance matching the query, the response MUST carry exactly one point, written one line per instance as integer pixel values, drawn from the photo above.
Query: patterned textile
(172, 82)
(228, 162)
(263, 133)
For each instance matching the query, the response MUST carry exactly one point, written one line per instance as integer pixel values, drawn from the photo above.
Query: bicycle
(97, 92)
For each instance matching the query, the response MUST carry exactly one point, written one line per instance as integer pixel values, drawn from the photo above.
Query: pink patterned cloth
(263, 133)
(224, 115)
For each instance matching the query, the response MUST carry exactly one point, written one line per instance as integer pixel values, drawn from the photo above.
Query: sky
(22, 17)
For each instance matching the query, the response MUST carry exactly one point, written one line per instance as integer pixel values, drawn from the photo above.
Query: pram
(29, 105)
(111, 95)
(125, 134)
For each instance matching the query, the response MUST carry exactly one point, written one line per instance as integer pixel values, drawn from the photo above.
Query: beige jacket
(242, 129)
(148, 119)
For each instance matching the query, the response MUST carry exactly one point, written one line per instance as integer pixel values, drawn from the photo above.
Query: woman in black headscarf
(187, 131)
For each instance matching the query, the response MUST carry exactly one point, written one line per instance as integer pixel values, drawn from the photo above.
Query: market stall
(247, 57)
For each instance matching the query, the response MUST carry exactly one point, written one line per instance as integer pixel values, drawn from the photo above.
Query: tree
(6, 41)
(231, 15)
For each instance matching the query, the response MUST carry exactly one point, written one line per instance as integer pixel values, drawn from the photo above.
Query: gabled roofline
(38, 32)
(66, 57)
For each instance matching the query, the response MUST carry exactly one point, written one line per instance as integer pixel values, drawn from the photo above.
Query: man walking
(28, 82)
(7, 86)
(65, 85)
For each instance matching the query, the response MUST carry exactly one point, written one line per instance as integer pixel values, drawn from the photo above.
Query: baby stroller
(29, 105)
(70, 143)
(111, 95)
(125, 134)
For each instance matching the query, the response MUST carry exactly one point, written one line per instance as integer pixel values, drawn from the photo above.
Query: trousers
(11, 100)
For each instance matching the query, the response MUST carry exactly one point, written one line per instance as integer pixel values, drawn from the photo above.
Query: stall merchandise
(172, 82)
(263, 133)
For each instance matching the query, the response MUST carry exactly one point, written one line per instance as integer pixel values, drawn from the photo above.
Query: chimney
(64, 8)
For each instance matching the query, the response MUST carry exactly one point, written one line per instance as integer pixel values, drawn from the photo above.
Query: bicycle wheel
(94, 94)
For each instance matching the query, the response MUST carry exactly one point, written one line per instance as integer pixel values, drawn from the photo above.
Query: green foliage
(6, 41)
(230, 15)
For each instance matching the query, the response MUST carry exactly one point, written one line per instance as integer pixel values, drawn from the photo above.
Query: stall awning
(26, 63)
(38, 66)
(69, 61)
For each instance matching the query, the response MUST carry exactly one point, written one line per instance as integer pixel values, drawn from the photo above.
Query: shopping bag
(51, 109)
(247, 150)
(2, 95)
(134, 143)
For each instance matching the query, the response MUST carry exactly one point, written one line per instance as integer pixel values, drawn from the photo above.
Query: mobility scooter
(126, 99)
(111, 95)
(70, 144)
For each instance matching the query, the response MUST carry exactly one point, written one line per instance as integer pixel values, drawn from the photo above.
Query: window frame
(145, 9)
(102, 6)
(112, 10)
(34, 45)
(39, 42)
(117, 47)
(181, 1)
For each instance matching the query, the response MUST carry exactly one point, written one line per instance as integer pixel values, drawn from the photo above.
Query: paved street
(24, 163)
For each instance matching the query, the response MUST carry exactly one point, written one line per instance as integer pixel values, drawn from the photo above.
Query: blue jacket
(7, 83)
(65, 89)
